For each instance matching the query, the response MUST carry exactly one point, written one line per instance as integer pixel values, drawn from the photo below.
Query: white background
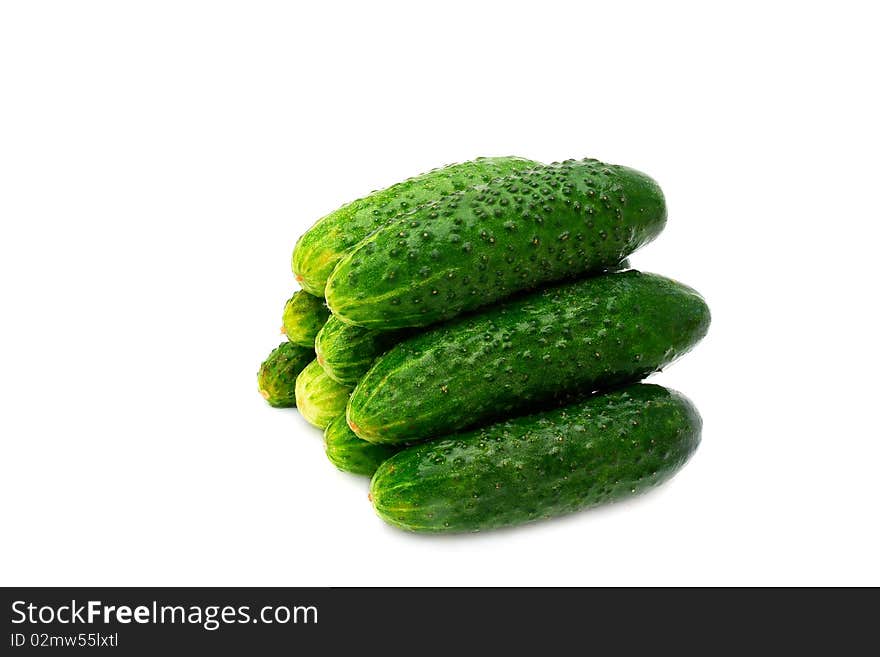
(159, 159)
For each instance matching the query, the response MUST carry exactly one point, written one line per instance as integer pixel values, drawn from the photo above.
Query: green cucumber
(276, 379)
(324, 244)
(485, 243)
(304, 315)
(520, 354)
(606, 448)
(346, 352)
(351, 454)
(318, 397)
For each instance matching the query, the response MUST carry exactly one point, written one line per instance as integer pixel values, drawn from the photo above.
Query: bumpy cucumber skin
(351, 454)
(488, 242)
(318, 397)
(576, 337)
(324, 244)
(276, 379)
(346, 352)
(303, 317)
(608, 447)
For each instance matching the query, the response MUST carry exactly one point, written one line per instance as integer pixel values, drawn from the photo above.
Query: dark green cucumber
(304, 315)
(277, 376)
(606, 448)
(520, 354)
(318, 397)
(325, 243)
(483, 244)
(346, 352)
(351, 454)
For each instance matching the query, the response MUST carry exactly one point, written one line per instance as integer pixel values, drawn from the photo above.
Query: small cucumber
(606, 448)
(277, 376)
(322, 246)
(485, 243)
(304, 315)
(346, 352)
(351, 454)
(523, 353)
(318, 397)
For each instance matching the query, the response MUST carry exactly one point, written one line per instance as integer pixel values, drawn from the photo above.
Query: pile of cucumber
(473, 338)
